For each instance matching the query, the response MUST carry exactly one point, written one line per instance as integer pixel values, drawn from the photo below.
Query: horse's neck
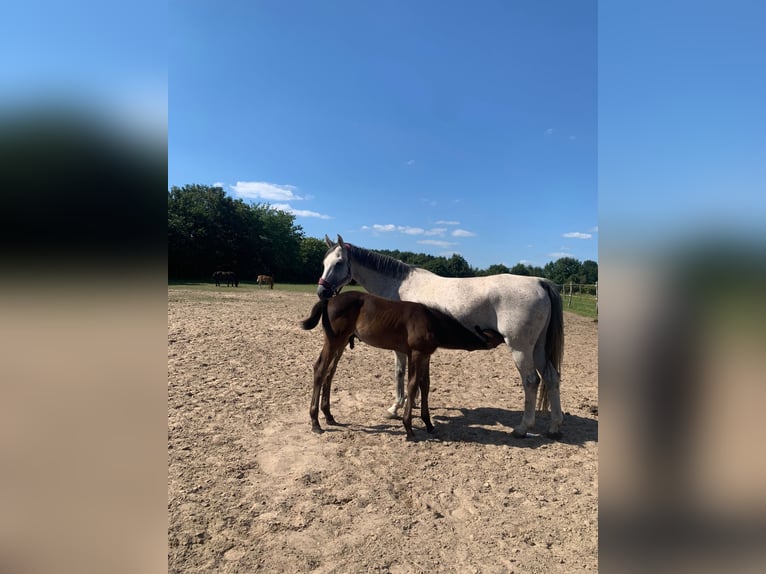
(376, 282)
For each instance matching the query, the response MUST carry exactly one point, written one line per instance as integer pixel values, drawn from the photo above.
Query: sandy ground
(251, 489)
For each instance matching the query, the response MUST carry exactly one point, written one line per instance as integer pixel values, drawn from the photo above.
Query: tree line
(210, 231)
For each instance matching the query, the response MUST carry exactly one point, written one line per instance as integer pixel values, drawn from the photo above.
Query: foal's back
(399, 325)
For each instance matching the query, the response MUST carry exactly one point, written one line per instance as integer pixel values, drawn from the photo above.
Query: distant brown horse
(266, 280)
(407, 327)
(229, 276)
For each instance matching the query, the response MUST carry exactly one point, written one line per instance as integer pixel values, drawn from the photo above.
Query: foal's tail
(554, 340)
(316, 312)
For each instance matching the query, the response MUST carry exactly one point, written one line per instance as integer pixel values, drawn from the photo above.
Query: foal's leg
(412, 387)
(400, 366)
(326, 384)
(531, 381)
(321, 369)
(423, 373)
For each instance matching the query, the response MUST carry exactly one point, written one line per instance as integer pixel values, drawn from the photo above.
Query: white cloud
(286, 207)
(441, 222)
(462, 233)
(577, 235)
(219, 184)
(549, 131)
(437, 243)
(406, 229)
(383, 228)
(266, 190)
(410, 162)
(559, 254)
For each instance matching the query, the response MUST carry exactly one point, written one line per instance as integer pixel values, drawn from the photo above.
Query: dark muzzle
(325, 289)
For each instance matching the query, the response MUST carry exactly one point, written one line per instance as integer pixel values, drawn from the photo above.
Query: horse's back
(515, 305)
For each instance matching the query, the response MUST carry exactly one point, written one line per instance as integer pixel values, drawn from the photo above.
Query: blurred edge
(681, 397)
(83, 335)
(682, 287)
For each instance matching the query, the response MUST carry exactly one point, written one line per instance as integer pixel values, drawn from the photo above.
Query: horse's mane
(378, 262)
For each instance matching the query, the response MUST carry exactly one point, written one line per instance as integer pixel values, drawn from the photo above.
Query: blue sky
(682, 121)
(108, 59)
(437, 127)
(473, 116)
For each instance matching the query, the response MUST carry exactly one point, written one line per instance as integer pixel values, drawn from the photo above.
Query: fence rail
(581, 297)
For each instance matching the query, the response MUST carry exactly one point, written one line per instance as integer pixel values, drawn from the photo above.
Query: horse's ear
(340, 240)
(328, 240)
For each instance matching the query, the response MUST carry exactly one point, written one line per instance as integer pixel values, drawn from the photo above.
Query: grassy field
(584, 305)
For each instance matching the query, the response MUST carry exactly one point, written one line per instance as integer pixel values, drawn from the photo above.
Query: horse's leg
(412, 386)
(326, 387)
(425, 387)
(400, 366)
(551, 380)
(531, 381)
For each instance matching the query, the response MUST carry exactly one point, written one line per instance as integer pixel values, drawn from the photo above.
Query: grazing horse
(527, 311)
(409, 328)
(229, 276)
(266, 280)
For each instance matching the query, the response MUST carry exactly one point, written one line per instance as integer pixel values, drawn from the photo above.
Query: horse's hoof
(317, 429)
(553, 435)
(519, 434)
(330, 420)
(391, 414)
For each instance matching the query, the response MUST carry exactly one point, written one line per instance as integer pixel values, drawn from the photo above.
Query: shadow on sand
(480, 426)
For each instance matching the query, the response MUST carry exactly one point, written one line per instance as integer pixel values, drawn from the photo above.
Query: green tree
(589, 272)
(280, 244)
(520, 269)
(207, 231)
(200, 236)
(458, 266)
(494, 269)
(312, 255)
(563, 270)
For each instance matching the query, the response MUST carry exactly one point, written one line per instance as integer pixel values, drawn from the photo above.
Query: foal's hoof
(553, 435)
(330, 420)
(317, 429)
(519, 434)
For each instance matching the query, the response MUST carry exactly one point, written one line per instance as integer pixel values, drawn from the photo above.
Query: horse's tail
(317, 311)
(554, 339)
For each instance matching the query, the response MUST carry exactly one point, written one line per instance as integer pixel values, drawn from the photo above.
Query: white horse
(527, 311)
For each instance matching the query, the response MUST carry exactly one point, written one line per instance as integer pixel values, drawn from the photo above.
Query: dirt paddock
(251, 489)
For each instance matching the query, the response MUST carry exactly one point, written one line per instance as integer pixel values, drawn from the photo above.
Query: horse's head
(337, 269)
